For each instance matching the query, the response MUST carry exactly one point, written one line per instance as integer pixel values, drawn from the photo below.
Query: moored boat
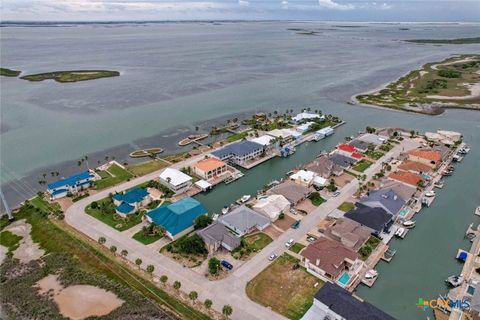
(409, 224)
(430, 193)
(477, 211)
(225, 209)
(454, 280)
(245, 198)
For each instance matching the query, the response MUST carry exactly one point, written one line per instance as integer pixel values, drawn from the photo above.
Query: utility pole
(5, 204)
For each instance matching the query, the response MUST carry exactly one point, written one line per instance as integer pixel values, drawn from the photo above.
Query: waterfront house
(415, 167)
(322, 133)
(304, 127)
(349, 233)
(375, 218)
(243, 220)
(210, 168)
(429, 157)
(292, 191)
(303, 177)
(265, 140)
(406, 177)
(217, 236)
(177, 218)
(386, 198)
(335, 303)
(326, 258)
(346, 149)
(272, 206)
(286, 135)
(403, 190)
(239, 152)
(175, 180)
(305, 116)
(371, 138)
(131, 201)
(70, 185)
(360, 145)
(324, 167)
(341, 160)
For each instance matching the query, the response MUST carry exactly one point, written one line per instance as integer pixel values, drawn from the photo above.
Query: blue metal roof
(178, 216)
(240, 148)
(70, 181)
(133, 196)
(125, 208)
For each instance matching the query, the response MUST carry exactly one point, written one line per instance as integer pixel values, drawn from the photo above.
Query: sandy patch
(474, 93)
(3, 253)
(27, 250)
(79, 301)
(435, 66)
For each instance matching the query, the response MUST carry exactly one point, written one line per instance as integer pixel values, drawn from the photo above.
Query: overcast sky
(354, 10)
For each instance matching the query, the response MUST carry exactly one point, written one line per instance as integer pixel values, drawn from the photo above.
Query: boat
(430, 194)
(446, 173)
(273, 183)
(457, 158)
(477, 211)
(371, 274)
(245, 198)
(215, 217)
(408, 224)
(454, 280)
(439, 184)
(225, 209)
(400, 232)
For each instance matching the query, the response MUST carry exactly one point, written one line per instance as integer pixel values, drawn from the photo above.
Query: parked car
(336, 194)
(272, 257)
(292, 210)
(289, 243)
(311, 239)
(226, 264)
(296, 224)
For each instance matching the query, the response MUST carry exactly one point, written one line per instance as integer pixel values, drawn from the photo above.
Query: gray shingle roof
(359, 144)
(341, 160)
(291, 190)
(244, 219)
(387, 198)
(240, 148)
(218, 233)
(374, 218)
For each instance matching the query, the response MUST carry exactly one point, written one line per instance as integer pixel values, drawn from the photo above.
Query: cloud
(243, 3)
(329, 4)
(284, 4)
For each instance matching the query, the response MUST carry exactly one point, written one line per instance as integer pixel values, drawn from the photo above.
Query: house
(131, 201)
(322, 133)
(415, 167)
(324, 167)
(304, 116)
(210, 168)
(203, 185)
(285, 134)
(243, 220)
(292, 191)
(265, 140)
(328, 258)
(218, 236)
(443, 149)
(386, 198)
(319, 181)
(349, 233)
(406, 177)
(403, 190)
(360, 145)
(70, 185)
(175, 180)
(335, 303)
(377, 219)
(371, 138)
(342, 160)
(429, 157)
(303, 177)
(239, 152)
(346, 149)
(272, 206)
(177, 218)
(304, 127)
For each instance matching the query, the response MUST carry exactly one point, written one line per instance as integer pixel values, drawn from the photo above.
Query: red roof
(357, 155)
(406, 177)
(347, 148)
(426, 154)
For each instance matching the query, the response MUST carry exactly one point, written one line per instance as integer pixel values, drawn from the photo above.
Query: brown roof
(414, 166)
(406, 177)
(209, 164)
(350, 233)
(403, 190)
(291, 190)
(329, 254)
(323, 166)
(426, 154)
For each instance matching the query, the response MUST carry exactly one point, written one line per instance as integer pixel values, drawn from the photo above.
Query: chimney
(394, 197)
(317, 262)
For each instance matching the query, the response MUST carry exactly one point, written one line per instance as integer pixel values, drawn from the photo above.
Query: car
(311, 239)
(292, 210)
(336, 194)
(272, 257)
(226, 264)
(296, 224)
(289, 243)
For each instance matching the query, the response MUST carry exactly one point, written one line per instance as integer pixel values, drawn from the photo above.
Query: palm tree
(124, 253)
(227, 310)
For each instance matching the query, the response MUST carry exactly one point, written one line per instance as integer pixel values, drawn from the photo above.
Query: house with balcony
(70, 185)
(239, 152)
(175, 180)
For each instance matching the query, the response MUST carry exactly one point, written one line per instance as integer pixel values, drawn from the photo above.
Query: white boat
(400, 232)
(438, 185)
(245, 198)
(371, 274)
(409, 224)
(215, 217)
(454, 281)
(225, 209)
(430, 193)
(477, 211)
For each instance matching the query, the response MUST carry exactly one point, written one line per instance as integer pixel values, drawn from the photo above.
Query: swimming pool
(403, 212)
(344, 278)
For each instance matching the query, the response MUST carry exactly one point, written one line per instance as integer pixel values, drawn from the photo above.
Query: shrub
(193, 295)
(150, 268)
(190, 245)
(202, 221)
(213, 266)
(113, 249)
(102, 240)
(177, 285)
(124, 253)
(227, 310)
(449, 73)
(163, 279)
(138, 261)
(208, 303)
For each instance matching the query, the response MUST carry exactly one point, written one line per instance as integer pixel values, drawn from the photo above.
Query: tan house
(348, 232)
(209, 168)
(429, 157)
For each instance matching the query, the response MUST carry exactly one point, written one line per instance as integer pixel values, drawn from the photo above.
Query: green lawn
(316, 199)
(285, 287)
(119, 175)
(346, 206)
(10, 240)
(297, 247)
(257, 241)
(146, 239)
(237, 136)
(375, 154)
(140, 169)
(362, 165)
(110, 218)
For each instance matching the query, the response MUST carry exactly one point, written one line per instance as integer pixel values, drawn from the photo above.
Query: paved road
(230, 290)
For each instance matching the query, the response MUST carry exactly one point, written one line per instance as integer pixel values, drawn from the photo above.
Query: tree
(124, 253)
(150, 268)
(102, 240)
(163, 279)
(202, 221)
(94, 205)
(227, 310)
(113, 249)
(208, 303)
(213, 266)
(193, 295)
(138, 262)
(370, 129)
(177, 285)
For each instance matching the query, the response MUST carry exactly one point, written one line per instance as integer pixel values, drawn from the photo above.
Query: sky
(160, 10)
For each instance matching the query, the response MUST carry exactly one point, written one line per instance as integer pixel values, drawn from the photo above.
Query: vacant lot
(143, 168)
(285, 287)
(362, 165)
(297, 247)
(346, 206)
(118, 175)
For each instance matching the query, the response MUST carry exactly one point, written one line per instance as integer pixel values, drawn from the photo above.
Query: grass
(10, 240)
(146, 167)
(90, 257)
(316, 199)
(118, 175)
(9, 72)
(71, 76)
(346, 206)
(296, 247)
(112, 219)
(375, 154)
(237, 136)
(285, 287)
(362, 165)
(146, 239)
(257, 241)
(370, 245)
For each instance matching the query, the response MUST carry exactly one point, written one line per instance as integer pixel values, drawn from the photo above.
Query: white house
(265, 140)
(303, 177)
(306, 116)
(272, 206)
(304, 127)
(322, 133)
(175, 180)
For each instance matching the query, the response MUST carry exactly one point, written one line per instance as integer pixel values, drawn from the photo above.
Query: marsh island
(71, 76)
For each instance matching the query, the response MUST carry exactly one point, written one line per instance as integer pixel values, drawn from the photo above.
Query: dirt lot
(306, 205)
(272, 232)
(28, 250)
(343, 179)
(285, 223)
